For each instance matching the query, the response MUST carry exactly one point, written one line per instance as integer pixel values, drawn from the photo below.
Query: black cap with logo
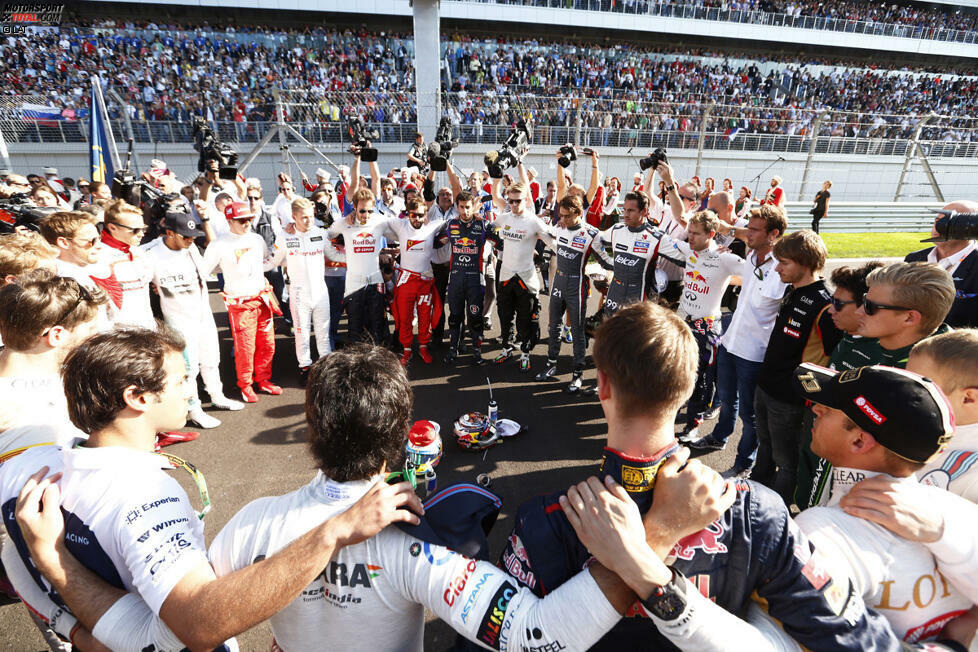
(183, 223)
(905, 412)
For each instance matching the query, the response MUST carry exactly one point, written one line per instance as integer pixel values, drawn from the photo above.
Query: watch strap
(668, 602)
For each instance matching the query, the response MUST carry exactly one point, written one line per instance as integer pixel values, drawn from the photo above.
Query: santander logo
(869, 410)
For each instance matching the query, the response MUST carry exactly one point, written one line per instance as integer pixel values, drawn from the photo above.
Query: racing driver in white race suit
(304, 251)
(374, 593)
(178, 278)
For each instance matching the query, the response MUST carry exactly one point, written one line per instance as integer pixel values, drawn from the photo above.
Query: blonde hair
(517, 186)
(923, 287)
(116, 208)
(362, 195)
(22, 252)
(300, 204)
(63, 224)
(956, 353)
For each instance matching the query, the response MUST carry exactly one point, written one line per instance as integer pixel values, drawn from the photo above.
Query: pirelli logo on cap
(809, 382)
(868, 409)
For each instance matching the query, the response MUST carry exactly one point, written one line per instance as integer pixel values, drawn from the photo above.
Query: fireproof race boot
(268, 387)
(303, 375)
(248, 395)
(576, 382)
(565, 334)
(549, 371)
(168, 438)
(406, 357)
(504, 355)
(690, 433)
(222, 402)
(197, 416)
(477, 358)
(423, 353)
(451, 356)
(524, 362)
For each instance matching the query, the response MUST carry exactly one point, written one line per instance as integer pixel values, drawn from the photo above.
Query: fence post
(811, 152)
(911, 152)
(702, 138)
(125, 120)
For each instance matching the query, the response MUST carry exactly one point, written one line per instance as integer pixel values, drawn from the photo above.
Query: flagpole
(96, 84)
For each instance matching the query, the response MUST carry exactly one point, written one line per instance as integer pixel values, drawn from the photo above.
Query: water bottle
(493, 411)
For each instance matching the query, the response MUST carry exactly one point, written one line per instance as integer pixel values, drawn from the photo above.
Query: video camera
(211, 148)
(361, 137)
(440, 151)
(136, 191)
(653, 159)
(511, 152)
(17, 210)
(952, 225)
(568, 153)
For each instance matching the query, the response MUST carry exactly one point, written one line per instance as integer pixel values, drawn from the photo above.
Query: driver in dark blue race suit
(646, 359)
(466, 236)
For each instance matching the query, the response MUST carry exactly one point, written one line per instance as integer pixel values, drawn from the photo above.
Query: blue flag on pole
(99, 155)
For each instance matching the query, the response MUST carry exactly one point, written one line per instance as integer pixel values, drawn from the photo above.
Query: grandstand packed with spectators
(226, 75)
(918, 22)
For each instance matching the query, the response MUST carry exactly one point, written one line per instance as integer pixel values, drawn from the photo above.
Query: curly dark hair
(358, 407)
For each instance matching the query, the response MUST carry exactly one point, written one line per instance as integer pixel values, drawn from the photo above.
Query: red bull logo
(696, 282)
(695, 275)
(466, 242)
(517, 562)
(707, 540)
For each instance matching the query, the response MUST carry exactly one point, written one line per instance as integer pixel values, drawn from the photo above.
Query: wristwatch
(670, 188)
(669, 600)
(205, 219)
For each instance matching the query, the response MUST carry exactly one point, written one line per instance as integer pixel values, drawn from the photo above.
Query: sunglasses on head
(83, 295)
(871, 307)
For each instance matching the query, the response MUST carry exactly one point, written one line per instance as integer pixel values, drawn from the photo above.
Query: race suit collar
(636, 474)
(109, 241)
(844, 478)
(327, 491)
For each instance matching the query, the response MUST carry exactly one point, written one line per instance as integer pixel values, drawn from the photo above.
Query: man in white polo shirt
(743, 344)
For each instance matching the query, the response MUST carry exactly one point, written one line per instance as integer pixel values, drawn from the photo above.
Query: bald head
(723, 204)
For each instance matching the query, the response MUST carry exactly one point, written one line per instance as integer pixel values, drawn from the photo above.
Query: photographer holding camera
(592, 198)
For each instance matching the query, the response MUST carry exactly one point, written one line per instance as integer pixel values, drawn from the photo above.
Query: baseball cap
(182, 224)
(238, 210)
(905, 412)
(49, 170)
(323, 174)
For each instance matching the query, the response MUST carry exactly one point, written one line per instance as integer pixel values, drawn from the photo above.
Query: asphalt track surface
(261, 450)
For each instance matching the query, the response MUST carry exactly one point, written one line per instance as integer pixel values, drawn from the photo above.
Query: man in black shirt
(821, 206)
(803, 332)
